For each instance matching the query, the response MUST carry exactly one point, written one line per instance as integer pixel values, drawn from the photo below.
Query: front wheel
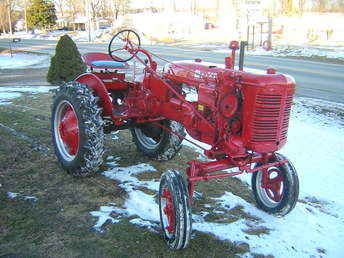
(276, 189)
(157, 143)
(175, 212)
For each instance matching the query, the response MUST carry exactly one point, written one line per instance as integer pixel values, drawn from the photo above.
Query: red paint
(69, 130)
(243, 116)
(169, 210)
(96, 84)
(272, 184)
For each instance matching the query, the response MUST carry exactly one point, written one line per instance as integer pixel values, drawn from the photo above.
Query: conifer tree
(67, 62)
(41, 14)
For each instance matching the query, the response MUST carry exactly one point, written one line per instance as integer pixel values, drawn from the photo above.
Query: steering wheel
(124, 45)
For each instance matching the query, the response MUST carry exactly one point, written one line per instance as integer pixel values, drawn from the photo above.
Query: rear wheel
(276, 189)
(77, 129)
(157, 143)
(175, 212)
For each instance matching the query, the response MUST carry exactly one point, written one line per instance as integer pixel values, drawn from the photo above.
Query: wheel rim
(147, 141)
(167, 212)
(270, 186)
(66, 130)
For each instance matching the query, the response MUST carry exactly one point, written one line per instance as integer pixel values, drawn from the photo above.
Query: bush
(67, 62)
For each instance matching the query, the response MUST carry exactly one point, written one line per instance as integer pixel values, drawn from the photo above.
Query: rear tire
(77, 129)
(281, 193)
(175, 212)
(157, 143)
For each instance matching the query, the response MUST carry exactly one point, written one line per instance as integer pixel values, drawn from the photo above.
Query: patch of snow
(285, 51)
(12, 195)
(31, 198)
(8, 93)
(15, 195)
(144, 223)
(103, 216)
(195, 147)
(126, 176)
(142, 205)
(112, 164)
(299, 234)
(112, 161)
(138, 204)
(23, 60)
(6, 96)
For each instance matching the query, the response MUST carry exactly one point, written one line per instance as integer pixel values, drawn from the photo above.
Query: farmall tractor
(243, 117)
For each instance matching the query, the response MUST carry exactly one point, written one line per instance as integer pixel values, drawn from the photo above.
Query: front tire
(157, 143)
(77, 129)
(280, 192)
(175, 212)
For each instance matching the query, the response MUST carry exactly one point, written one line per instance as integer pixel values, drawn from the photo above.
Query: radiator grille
(271, 118)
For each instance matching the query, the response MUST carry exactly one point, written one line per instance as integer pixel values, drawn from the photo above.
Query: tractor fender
(96, 84)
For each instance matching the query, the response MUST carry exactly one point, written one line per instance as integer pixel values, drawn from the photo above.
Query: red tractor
(243, 117)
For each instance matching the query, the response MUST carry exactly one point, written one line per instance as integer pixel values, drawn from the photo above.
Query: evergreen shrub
(67, 62)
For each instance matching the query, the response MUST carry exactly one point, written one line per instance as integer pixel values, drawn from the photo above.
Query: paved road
(314, 79)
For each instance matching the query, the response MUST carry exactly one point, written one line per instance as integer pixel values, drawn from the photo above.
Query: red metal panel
(266, 112)
(100, 90)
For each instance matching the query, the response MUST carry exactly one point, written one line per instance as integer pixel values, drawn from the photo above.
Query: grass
(58, 224)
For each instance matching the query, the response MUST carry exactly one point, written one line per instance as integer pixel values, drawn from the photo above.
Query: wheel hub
(169, 211)
(69, 130)
(273, 184)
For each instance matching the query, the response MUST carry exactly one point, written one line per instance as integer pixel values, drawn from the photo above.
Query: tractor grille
(271, 118)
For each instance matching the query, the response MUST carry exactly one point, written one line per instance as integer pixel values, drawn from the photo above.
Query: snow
(143, 205)
(144, 223)
(314, 228)
(294, 51)
(8, 93)
(12, 195)
(138, 204)
(96, 34)
(31, 198)
(126, 176)
(285, 51)
(299, 234)
(103, 216)
(23, 60)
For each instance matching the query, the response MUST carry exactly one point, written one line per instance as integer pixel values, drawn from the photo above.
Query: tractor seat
(106, 63)
(103, 61)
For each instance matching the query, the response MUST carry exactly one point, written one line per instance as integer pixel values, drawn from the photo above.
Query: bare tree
(60, 6)
(119, 6)
(6, 11)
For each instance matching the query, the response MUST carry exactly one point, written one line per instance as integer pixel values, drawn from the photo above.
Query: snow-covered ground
(335, 53)
(56, 34)
(295, 51)
(23, 60)
(12, 92)
(314, 228)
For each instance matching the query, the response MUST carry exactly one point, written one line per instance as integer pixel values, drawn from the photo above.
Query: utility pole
(270, 32)
(89, 19)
